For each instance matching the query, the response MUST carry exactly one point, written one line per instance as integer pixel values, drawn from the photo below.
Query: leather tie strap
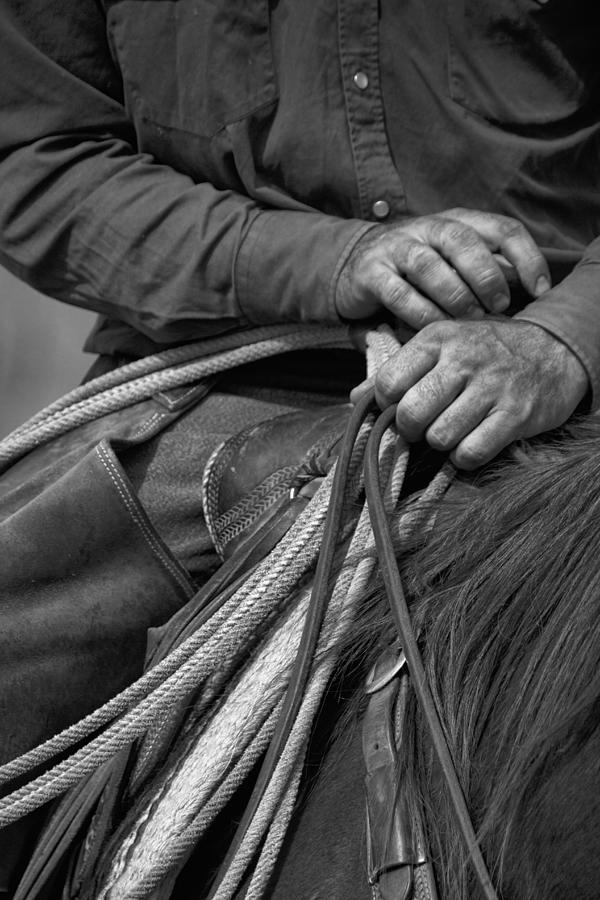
(395, 846)
(399, 608)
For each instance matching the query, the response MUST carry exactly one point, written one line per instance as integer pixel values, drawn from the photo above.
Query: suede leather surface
(83, 576)
(81, 560)
(91, 559)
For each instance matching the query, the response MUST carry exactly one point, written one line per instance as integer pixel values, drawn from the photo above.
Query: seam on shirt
(375, 172)
(130, 504)
(342, 260)
(572, 345)
(360, 177)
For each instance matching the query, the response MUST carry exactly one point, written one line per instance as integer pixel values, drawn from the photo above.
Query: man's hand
(473, 387)
(437, 267)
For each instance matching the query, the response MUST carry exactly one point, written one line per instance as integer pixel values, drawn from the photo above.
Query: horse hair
(505, 594)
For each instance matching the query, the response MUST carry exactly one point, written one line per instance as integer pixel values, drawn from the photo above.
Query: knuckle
(488, 279)
(409, 415)
(471, 455)
(422, 350)
(441, 334)
(440, 438)
(515, 414)
(458, 299)
(455, 212)
(422, 316)
(386, 379)
(420, 258)
(463, 235)
(433, 390)
(397, 295)
(511, 228)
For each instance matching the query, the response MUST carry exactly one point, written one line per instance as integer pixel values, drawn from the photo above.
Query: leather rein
(399, 608)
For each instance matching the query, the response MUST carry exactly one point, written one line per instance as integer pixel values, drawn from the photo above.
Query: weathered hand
(435, 267)
(473, 387)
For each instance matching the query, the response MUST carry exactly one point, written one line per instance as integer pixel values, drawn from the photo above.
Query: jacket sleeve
(86, 218)
(571, 312)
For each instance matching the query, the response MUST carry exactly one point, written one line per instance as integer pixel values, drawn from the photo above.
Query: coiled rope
(218, 753)
(146, 377)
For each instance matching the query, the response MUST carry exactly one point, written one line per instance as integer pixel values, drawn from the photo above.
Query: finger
(520, 249)
(486, 441)
(405, 301)
(358, 392)
(469, 254)
(426, 400)
(403, 370)
(426, 270)
(458, 420)
(512, 238)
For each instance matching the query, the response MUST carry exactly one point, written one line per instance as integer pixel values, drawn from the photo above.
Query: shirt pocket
(193, 65)
(522, 62)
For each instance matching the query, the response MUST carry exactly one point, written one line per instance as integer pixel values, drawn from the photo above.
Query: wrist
(574, 320)
(347, 295)
(560, 357)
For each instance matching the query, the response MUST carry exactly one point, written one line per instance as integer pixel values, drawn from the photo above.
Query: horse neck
(510, 613)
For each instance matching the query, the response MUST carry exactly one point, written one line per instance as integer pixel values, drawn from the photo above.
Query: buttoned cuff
(571, 312)
(288, 265)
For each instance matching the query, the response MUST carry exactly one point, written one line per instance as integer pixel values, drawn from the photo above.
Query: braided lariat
(225, 733)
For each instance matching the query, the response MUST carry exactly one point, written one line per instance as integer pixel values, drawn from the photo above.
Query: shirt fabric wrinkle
(252, 144)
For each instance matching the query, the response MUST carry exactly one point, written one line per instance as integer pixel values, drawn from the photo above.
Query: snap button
(361, 80)
(381, 209)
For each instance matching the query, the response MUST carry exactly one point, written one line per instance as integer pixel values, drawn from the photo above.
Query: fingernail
(542, 285)
(500, 302)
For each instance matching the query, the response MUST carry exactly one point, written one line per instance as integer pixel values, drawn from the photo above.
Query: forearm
(88, 219)
(93, 223)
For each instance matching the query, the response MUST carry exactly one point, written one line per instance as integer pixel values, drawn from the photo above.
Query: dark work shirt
(189, 167)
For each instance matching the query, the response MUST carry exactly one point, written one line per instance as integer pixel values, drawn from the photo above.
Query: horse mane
(505, 594)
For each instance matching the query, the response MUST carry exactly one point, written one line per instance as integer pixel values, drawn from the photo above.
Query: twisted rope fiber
(132, 725)
(360, 448)
(204, 752)
(303, 661)
(162, 360)
(147, 756)
(274, 814)
(278, 821)
(131, 880)
(286, 776)
(180, 792)
(190, 833)
(276, 836)
(351, 584)
(122, 731)
(279, 571)
(393, 460)
(159, 735)
(381, 343)
(122, 395)
(347, 595)
(268, 815)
